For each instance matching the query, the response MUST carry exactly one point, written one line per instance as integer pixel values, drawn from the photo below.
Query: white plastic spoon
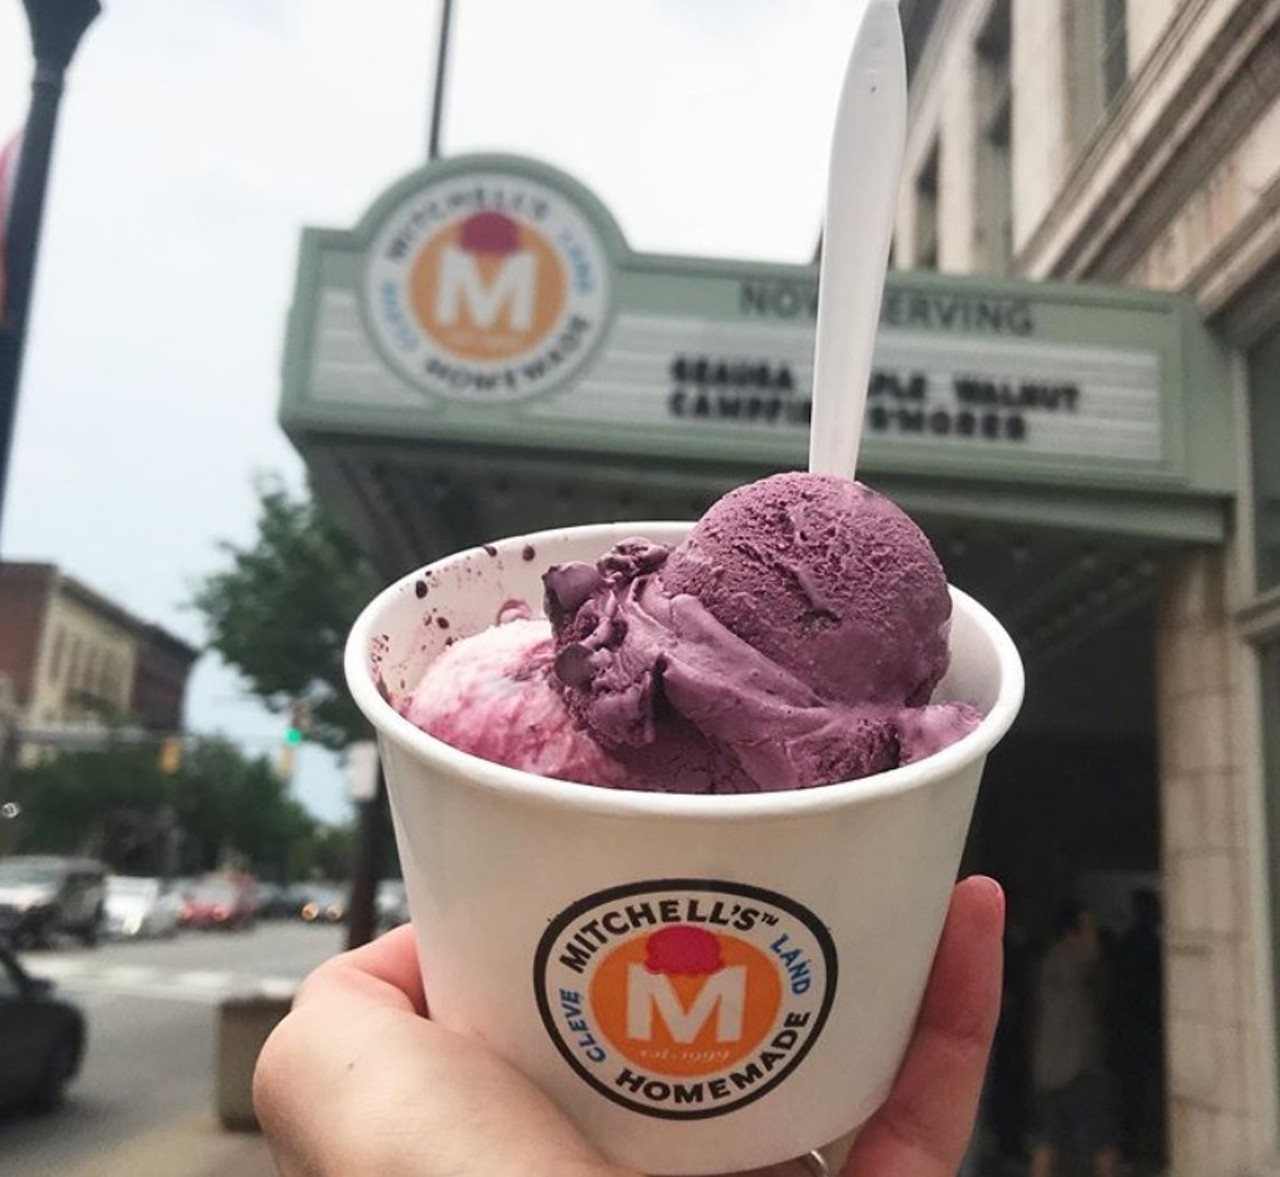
(862, 190)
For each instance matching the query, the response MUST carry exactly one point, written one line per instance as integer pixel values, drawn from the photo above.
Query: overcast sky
(195, 141)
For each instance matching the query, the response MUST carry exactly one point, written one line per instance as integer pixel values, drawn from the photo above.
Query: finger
(384, 971)
(924, 1126)
(354, 1083)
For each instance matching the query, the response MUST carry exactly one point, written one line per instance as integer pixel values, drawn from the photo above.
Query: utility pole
(371, 812)
(56, 29)
(442, 63)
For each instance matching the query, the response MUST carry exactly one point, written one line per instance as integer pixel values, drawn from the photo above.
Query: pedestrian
(1072, 1091)
(1138, 1031)
(1010, 1080)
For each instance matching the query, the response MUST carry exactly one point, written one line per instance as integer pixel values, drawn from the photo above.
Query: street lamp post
(56, 29)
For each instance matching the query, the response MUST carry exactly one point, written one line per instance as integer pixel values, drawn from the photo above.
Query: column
(1216, 1028)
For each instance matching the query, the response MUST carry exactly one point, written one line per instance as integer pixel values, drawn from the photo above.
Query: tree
(231, 807)
(221, 807)
(280, 615)
(280, 612)
(67, 802)
(335, 852)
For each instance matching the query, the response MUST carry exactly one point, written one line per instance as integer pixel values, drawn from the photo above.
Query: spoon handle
(862, 189)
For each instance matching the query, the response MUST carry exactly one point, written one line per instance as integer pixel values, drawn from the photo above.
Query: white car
(137, 907)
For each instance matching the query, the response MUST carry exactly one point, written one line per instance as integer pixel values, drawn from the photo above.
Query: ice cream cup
(704, 984)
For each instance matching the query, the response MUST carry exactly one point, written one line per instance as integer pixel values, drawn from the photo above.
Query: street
(151, 1008)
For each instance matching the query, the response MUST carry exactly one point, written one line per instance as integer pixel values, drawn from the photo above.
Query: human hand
(356, 1082)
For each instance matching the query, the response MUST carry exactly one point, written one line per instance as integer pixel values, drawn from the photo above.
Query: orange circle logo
(486, 287)
(685, 998)
(676, 1001)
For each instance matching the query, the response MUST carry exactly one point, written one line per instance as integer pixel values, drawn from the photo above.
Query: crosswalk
(80, 976)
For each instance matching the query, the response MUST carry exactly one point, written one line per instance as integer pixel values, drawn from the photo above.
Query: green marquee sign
(494, 300)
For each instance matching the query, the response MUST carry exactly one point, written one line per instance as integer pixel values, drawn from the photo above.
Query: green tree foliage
(280, 611)
(221, 808)
(66, 802)
(229, 806)
(335, 852)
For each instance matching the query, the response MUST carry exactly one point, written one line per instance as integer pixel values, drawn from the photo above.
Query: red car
(218, 903)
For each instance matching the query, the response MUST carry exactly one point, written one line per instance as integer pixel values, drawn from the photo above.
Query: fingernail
(997, 894)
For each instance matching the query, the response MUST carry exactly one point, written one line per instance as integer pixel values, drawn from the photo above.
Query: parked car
(270, 902)
(325, 905)
(218, 901)
(42, 896)
(42, 1037)
(279, 901)
(139, 907)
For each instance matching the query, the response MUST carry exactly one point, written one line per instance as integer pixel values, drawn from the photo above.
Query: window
(927, 212)
(75, 670)
(993, 206)
(1115, 49)
(110, 682)
(90, 680)
(106, 677)
(1097, 45)
(1264, 412)
(59, 650)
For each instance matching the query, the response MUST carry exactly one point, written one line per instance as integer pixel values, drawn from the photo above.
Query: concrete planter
(244, 1022)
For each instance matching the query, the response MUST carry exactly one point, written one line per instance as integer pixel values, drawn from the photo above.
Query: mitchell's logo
(486, 287)
(685, 998)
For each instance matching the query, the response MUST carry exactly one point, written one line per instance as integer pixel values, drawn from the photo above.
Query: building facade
(1137, 142)
(8, 716)
(162, 668)
(80, 663)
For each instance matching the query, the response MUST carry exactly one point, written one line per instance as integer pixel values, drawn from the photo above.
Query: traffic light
(294, 734)
(170, 755)
(299, 722)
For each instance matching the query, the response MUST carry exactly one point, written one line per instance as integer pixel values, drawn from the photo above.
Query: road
(152, 1010)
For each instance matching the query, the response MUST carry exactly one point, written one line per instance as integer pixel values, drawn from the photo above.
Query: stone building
(1137, 142)
(80, 663)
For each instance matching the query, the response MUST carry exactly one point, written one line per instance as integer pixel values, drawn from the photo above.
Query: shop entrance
(1068, 815)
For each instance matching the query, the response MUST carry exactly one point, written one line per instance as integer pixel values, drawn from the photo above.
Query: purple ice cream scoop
(794, 639)
(828, 580)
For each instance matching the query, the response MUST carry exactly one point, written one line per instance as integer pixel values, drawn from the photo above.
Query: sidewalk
(196, 1147)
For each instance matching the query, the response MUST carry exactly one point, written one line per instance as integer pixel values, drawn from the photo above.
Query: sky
(197, 139)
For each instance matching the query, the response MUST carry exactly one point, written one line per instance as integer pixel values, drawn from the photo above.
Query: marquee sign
(494, 299)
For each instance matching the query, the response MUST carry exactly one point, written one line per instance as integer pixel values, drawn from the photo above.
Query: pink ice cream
(494, 695)
(794, 639)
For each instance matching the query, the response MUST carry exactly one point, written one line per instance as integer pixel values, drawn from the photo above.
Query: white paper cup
(796, 929)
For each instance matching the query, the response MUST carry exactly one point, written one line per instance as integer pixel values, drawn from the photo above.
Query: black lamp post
(56, 29)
